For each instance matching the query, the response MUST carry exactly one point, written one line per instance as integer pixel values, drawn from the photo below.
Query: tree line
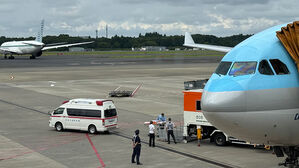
(148, 39)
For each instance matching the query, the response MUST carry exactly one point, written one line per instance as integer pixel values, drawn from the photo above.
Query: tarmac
(32, 88)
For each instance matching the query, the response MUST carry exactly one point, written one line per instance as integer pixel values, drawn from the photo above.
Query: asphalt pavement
(32, 88)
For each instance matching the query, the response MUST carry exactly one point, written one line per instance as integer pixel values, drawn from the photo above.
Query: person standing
(161, 122)
(169, 128)
(151, 134)
(136, 148)
(161, 117)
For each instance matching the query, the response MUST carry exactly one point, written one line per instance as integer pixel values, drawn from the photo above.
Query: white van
(90, 115)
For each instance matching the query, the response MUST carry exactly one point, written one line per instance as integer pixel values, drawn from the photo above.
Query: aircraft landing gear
(5, 57)
(292, 152)
(32, 57)
(11, 57)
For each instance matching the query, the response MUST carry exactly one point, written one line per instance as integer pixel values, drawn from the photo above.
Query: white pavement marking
(117, 88)
(74, 64)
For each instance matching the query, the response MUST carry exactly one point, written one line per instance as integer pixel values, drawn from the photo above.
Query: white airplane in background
(254, 93)
(32, 47)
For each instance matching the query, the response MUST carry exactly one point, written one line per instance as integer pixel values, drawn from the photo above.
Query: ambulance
(92, 115)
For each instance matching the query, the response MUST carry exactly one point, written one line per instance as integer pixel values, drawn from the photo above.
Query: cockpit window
(264, 68)
(279, 67)
(243, 68)
(223, 68)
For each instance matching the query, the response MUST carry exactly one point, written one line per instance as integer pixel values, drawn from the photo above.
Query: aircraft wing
(32, 43)
(190, 43)
(6, 50)
(3, 50)
(54, 44)
(65, 45)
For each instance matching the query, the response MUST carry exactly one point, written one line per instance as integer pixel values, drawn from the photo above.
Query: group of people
(136, 139)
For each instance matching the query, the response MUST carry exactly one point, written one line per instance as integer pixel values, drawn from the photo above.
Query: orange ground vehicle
(195, 121)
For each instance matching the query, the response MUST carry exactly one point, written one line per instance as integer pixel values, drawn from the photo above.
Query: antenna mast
(106, 31)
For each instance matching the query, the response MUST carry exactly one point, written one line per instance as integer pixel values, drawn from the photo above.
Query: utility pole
(96, 34)
(106, 31)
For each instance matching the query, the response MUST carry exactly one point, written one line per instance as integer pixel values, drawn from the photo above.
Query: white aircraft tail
(190, 43)
(188, 39)
(39, 36)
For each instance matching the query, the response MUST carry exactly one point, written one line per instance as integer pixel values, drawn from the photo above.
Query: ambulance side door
(73, 119)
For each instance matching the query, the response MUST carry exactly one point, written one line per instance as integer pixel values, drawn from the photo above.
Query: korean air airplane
(32, 47)
(254, 93)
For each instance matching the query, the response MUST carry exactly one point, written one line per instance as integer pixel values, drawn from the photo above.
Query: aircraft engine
(38, 54)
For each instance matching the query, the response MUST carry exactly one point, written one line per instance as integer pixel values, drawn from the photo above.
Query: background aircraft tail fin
(188, 39)
(190, 43)
(39, 36)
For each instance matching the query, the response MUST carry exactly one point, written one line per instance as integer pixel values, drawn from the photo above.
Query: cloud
(68, 11)
(235, 2)
(226, 23)
(131, 17)
(61, 25)
(178, 26)
(2, 28)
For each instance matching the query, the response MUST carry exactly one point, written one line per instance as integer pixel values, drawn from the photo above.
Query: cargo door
(110, 114)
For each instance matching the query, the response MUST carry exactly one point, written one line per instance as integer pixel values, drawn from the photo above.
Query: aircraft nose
(223, 96)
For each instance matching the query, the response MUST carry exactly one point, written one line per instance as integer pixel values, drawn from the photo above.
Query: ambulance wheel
(58, 127)
(220, 139)
(92, 129)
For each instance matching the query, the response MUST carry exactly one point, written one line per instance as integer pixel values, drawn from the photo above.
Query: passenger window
(264, 68)
(243, 68)
(58, 111)
(279, 67)
(73, 112)
(198, 107)
(84, 112)
(92, 113)
(223, 68)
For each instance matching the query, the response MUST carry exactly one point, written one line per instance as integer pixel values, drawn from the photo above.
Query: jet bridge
(289, 37)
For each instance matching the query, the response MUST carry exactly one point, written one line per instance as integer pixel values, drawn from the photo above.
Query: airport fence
(177, 131)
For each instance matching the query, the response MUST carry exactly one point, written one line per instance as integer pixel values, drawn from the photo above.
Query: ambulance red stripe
(88, 118)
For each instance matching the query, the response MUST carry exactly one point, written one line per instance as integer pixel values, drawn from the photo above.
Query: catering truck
(195, 123)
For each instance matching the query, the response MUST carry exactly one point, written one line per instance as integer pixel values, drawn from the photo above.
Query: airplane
(32, 47)
(254, 93)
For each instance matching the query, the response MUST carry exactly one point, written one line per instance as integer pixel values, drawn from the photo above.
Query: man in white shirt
(151, 134)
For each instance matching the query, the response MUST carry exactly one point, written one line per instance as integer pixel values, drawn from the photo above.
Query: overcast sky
(21, 18)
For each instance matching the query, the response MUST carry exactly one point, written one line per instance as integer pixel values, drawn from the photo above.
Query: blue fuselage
(252, 105)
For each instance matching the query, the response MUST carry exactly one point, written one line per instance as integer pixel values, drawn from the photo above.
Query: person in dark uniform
(136, 148)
